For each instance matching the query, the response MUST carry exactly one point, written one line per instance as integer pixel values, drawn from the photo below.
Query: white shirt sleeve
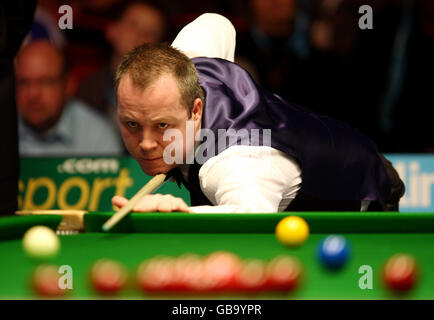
(210, 35)
(249, 179)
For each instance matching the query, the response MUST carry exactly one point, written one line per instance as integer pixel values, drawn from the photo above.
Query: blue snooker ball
(333, 251)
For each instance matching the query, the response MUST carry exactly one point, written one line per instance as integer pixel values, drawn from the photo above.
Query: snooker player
(311, 163)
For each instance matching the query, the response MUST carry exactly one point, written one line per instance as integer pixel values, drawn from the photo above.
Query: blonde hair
(149, 62)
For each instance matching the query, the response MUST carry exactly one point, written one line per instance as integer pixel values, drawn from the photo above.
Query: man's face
(145, 115)
(274, 11)
(138, 25)
(40, 86)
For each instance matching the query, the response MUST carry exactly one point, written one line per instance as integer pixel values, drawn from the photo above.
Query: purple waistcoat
(337, 161)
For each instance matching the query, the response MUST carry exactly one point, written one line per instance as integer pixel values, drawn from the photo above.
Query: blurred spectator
(334, 69)
(375, 79)
(139, 22)
(408, 93)
(274, 48)
(49, 124)
(15, 20)
(348, 66)
(45, 27)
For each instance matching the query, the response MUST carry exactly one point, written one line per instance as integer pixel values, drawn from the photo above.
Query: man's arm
(210, 35)
(241, 179)
(249, 179)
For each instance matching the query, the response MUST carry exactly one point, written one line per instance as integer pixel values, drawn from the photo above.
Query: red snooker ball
(252, 276)
(221, 270)
(283, 273)
(108, 276)
(156, 274)
(400, 272)
(188, 273)
(195, 275)
(45, 281)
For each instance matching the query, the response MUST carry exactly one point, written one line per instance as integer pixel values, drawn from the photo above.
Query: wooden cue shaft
(148, 188)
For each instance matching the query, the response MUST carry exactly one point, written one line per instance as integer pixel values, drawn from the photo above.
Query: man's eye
(131, 124)
(163, 125)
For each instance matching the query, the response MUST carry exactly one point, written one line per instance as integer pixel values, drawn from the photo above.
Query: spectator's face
(40, 85)
(145, 115)
(273, 11)
(138, 25)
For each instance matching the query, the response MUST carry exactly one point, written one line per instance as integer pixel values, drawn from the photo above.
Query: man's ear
(196, 111)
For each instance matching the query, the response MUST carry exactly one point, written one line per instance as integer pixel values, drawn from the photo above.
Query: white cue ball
(41, 242)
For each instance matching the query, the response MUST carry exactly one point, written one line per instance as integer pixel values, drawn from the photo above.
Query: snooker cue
(148, 188)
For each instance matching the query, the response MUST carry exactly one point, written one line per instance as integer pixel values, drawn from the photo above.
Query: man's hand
(154, 202)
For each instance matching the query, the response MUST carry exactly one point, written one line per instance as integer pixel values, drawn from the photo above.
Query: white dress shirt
(248, 179)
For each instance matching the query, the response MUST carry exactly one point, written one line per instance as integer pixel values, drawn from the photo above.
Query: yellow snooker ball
(41, 243)
(292, 231)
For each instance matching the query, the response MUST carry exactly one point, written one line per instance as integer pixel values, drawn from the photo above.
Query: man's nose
(148, 141)
(33, 91)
